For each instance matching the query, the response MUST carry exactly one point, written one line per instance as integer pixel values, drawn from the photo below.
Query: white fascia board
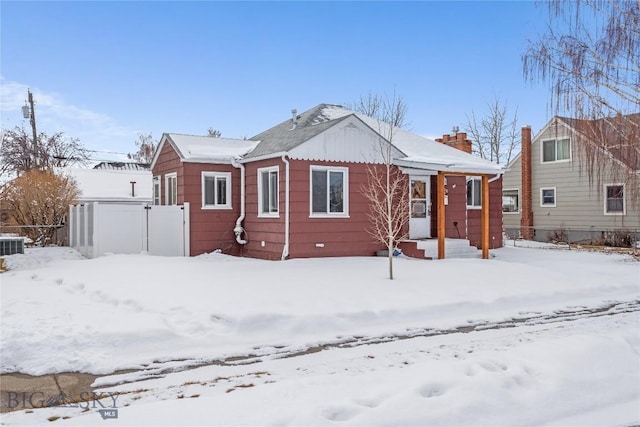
(213, 161)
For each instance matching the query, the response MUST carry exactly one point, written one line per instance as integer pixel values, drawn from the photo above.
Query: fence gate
(96, 229)
(166, 230)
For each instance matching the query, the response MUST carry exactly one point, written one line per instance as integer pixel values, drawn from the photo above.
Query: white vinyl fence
(96, 229)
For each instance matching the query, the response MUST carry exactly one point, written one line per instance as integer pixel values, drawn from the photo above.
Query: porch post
(485, 217)
(441, 216)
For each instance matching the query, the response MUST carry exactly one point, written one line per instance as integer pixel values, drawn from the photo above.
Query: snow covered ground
(151, 314)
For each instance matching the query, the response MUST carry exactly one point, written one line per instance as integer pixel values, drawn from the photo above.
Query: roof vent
(294, 118)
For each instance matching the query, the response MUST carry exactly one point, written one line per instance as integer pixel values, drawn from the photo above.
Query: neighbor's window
(474, 192)
(614, 201)
(555, 150)
(329, 191)
(548, 197)
(171, 189)
(510, 201)
(216, 190)
(268, 191)
(156, 190)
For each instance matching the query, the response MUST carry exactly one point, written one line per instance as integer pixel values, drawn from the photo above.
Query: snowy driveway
(152, 314)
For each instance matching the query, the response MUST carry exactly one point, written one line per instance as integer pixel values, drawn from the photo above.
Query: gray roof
(283, 137)
(415, 151)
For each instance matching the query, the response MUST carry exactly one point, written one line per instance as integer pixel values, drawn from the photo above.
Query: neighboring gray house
(548, 193)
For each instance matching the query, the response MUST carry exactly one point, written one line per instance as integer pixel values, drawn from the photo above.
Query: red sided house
(295, 190)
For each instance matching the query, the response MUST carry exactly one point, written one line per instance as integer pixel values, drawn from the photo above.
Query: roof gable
(603, 133)
(617, 136)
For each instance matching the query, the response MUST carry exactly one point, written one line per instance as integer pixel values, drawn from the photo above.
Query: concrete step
(454, 248)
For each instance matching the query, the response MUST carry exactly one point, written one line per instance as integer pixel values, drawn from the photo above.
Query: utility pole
(33, 127)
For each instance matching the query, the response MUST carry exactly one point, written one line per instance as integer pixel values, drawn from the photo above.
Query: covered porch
(432, 199)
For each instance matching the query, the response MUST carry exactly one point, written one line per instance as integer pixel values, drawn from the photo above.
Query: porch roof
(453, 165)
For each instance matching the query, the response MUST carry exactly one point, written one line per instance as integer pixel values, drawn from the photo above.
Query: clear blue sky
(102, 71)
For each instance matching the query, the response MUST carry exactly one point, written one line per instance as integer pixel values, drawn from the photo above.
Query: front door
(419, 207)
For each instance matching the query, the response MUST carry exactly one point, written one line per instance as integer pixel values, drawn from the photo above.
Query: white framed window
(474, 193)
(216, 190)
(156, 190)
(511, 201)
(548, 197)
(171, 189)
(556, 150)
(329, 191)
(614, 202)
(268, 192)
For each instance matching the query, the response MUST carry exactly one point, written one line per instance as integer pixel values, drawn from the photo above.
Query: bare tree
(17, 153)
(495, 135)
(146, 146)
(213, 133)
(368, 105)
(39, 200)
(387, 188)
(590, 56)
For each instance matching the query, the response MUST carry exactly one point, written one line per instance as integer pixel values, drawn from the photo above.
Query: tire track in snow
(160, 369)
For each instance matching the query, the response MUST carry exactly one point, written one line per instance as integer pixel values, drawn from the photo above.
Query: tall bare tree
(17, 152)
(146, 146)
(590, 57)
(39, 201)
(387, 188)
(495, 135)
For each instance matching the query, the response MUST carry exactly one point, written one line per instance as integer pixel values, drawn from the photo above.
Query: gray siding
(579, 204)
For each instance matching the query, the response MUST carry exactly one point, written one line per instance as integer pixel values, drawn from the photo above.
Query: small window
(548, 197)
(329, 191)
(156, 190)
(171, 189)
(216, 190)
(555, 150)
(614, 199)
(474, 192)
(268, 192)
(510, 201)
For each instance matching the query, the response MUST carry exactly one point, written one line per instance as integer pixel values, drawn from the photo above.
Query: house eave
(264, 157)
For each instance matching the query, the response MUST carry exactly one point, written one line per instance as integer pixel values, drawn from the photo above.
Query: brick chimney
(526, 218)
(456, 140)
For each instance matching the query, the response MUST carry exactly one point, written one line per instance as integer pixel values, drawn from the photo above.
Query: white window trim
(168, 177)
(156, 183)
(519, 207)
(479, 180)
(262, 214)
(345, 195)
(624, 200)
(556, 142)
(555, 197)
(214, 175)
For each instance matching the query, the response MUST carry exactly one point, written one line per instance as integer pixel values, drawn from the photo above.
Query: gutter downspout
(238, 230)
(285, 250)
(497, 177)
